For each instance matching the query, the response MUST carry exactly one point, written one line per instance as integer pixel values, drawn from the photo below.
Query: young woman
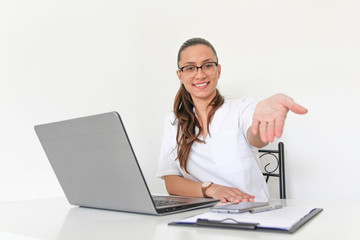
(210, 143)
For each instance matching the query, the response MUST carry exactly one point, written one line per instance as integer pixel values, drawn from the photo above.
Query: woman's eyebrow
(204, 61)
(208, 60)
(189, 63)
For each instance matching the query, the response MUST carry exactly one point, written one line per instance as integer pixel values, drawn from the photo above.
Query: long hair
(185, 115)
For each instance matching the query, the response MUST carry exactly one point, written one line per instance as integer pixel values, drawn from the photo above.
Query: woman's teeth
(201, 84)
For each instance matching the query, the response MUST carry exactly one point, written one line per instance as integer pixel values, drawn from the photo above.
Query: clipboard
(230, 221)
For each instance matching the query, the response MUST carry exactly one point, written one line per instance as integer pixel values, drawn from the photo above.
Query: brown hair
(185, 115)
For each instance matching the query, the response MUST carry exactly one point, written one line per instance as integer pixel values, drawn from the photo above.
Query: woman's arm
(269, 119)
(177, 185)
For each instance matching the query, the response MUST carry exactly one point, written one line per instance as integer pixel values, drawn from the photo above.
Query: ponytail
(187, 122)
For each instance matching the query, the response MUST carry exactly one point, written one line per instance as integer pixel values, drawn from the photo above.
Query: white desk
(56, 219)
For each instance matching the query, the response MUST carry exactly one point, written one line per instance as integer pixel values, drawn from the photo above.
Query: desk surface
(56, 219)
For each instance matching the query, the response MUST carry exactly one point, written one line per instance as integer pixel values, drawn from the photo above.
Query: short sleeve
(168, 165)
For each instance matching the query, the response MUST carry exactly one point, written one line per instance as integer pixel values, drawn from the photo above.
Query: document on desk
(287, 219)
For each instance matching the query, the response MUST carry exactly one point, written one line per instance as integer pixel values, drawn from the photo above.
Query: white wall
(63, 59)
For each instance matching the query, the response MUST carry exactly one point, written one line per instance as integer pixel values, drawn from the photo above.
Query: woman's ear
(178, 73)
(219, 70)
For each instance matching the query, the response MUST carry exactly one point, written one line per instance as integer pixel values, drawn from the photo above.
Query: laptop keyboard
(160, 203)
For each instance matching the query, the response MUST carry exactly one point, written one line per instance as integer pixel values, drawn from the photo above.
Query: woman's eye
(208, 65)
(189, 68)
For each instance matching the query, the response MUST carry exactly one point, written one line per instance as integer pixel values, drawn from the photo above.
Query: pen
(265, 208)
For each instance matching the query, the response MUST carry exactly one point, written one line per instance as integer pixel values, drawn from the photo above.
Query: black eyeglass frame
(197, 68)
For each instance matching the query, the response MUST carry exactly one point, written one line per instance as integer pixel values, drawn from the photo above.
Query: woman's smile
(202, 85)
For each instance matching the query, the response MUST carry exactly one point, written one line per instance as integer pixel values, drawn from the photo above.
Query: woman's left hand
(270, 114)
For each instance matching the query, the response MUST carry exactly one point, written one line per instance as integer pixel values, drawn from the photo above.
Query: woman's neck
(202, 105)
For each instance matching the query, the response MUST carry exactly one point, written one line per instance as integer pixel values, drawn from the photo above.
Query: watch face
(206, 184)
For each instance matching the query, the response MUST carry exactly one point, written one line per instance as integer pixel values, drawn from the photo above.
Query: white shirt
(226, 157)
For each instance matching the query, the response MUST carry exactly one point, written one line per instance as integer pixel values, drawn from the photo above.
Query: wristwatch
(205, 186)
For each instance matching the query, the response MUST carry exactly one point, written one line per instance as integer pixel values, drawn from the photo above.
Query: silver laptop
(96, 166)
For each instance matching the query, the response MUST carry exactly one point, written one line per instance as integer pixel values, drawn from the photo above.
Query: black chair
(277, 169)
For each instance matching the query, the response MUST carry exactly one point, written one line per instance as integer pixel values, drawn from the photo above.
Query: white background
(71, 58)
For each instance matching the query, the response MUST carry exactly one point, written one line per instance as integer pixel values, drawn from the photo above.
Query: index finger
(279, 127)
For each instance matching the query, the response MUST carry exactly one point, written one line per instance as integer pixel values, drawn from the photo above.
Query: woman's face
(202, 87)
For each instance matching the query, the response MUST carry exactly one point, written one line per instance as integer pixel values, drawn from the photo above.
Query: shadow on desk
(85, 223)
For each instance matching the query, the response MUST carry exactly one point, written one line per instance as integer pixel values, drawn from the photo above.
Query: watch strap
(203, 189)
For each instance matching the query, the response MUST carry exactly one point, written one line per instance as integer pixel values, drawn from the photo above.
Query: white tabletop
(56, 219)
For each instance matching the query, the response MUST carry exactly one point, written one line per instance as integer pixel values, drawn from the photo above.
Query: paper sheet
(283, 218)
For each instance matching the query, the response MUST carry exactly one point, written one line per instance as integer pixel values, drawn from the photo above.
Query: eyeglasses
(191, 70)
